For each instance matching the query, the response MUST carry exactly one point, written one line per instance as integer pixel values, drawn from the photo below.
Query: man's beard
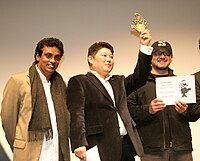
(161, 68)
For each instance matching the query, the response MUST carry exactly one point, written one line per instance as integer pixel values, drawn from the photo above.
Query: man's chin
(109, 70)
(51, 71)
(162, 68)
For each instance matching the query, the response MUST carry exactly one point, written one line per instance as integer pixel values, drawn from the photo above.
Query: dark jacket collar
(97, 83)
(153, 76)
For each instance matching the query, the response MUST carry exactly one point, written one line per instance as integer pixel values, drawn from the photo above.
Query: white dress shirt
(146, 49)
(50, 147)
(109, 89)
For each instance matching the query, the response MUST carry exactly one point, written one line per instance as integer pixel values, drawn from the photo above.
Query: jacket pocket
(20, 144)
(93, 130)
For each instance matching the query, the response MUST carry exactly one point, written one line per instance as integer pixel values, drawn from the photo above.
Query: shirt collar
(43, 78)
(99, 77)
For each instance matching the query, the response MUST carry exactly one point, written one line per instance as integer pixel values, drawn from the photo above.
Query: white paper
(93, 154)
(173, 88)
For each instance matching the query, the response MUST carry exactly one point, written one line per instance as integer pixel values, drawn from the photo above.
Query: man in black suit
(98, 106)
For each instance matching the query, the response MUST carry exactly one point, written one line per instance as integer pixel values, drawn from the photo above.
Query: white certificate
(173, 88)
(93, 154)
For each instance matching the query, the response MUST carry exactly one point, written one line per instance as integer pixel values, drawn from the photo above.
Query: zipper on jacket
(164, 143)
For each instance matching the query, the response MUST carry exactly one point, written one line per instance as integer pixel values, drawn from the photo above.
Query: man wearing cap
(164, 130)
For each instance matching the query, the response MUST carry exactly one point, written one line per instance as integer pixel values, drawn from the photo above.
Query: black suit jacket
(93, 114)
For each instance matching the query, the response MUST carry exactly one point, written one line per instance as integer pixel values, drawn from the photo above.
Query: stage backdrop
(79, 23)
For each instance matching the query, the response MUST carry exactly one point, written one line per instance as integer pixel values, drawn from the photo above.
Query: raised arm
(143, 66)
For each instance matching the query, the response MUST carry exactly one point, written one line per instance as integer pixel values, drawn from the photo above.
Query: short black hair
(51, 42)
(94, 48)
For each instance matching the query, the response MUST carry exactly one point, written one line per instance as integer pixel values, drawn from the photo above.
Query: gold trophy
(139, 23)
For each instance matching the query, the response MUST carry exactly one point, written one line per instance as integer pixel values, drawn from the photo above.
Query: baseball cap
(161, 44)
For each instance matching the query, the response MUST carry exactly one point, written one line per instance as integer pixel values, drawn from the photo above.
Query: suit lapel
(116, 90)
(96, 82)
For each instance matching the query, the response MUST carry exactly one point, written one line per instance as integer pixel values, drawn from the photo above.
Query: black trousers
(168, 155)
(128, 150)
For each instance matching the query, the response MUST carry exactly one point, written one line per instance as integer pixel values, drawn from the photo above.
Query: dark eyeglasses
(159, 53)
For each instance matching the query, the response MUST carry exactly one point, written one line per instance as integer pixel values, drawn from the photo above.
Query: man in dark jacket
(164, 130)
(98, 105)
(196, 111)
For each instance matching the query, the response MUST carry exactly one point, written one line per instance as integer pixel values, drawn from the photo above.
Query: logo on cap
(162, 43)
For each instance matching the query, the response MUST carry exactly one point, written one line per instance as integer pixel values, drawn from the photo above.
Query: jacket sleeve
(193, 112)
(10, 107)
(139, 113)
(75, 103)
(140, 74)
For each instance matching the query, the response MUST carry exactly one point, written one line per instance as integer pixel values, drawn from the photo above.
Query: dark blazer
(93, 114)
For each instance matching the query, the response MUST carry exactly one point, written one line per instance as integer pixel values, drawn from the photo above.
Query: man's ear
(90, 59)
(37, 56)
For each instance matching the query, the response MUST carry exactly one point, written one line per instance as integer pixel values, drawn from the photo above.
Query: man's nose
(52, 60)
(162, 55)
(108, 58)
